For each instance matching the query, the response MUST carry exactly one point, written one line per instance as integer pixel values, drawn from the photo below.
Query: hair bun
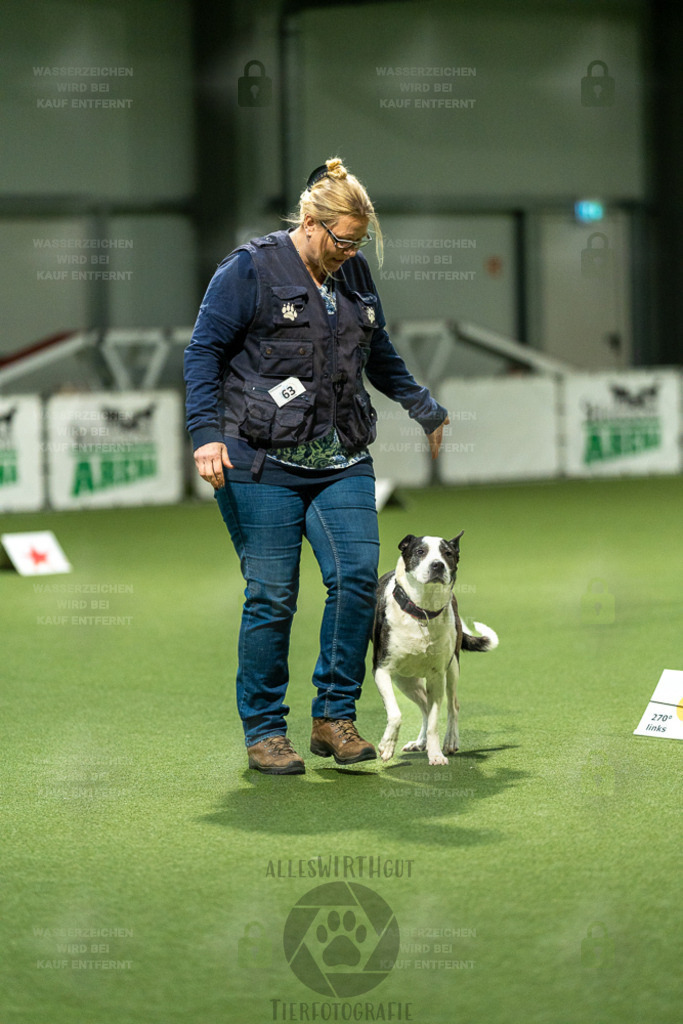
(335, 168)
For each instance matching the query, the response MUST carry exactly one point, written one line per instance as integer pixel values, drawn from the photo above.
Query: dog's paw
(451, 740)
(386, 750)
(415, 745)
(438, 758)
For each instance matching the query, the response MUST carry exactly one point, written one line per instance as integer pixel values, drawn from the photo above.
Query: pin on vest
(417, 639)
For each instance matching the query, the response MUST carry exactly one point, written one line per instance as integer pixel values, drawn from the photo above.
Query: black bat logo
(6, 422)
(637, 398)
(134, 422)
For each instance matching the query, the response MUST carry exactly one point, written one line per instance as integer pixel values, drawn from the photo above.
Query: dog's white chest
(420, 645)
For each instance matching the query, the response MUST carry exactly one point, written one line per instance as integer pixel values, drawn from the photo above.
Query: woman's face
(346, 229)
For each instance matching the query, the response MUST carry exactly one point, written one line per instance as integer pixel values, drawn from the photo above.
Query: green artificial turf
(131, 824)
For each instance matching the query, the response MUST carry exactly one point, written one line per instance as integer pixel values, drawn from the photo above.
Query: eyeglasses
(346, 244)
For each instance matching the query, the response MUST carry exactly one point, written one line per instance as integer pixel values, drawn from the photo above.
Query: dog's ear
(406, 541)
(455, 543)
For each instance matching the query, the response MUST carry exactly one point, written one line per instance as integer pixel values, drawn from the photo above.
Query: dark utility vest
(291, 335)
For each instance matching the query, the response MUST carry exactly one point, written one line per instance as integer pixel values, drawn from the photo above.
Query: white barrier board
(622, 423)
(401, 450)
(500, 429)
(109, 449)
(22, 485)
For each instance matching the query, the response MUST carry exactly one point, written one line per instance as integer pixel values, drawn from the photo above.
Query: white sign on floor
(664, 714)
(35, 554)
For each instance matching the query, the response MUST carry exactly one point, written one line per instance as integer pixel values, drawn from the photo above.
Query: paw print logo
(343, 948)
(289, 312)
(341, 939)
(370, 310)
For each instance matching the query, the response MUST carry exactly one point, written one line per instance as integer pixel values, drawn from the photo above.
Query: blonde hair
(338, 193)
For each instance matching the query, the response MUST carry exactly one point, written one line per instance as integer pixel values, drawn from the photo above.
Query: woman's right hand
(209, 460)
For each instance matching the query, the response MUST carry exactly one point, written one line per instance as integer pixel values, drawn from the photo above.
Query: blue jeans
(267, 524)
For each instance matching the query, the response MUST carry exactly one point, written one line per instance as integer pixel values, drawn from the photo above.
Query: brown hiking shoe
(339, 737)
(275, 755)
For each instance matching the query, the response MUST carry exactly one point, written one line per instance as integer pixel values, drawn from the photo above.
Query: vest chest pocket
(281, 359)
(365, 305)
(290, 306)
(266, 425)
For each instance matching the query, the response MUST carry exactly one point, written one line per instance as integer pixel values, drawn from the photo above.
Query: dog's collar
(411, 608)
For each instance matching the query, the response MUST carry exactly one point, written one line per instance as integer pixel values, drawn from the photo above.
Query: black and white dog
(417, 638)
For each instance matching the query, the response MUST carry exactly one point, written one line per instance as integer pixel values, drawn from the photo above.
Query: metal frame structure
(413, 337)
(112, 347)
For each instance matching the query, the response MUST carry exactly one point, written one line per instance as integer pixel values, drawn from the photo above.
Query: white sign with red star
(35, 554)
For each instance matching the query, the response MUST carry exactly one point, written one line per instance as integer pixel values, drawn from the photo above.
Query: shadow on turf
(398, 800)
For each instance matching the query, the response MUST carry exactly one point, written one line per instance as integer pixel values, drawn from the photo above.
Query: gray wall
(507, 128)
(184, 171)
(522, 132)
(505, 162)
(97, 167)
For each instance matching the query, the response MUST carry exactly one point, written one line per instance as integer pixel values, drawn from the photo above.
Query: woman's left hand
(436, 437)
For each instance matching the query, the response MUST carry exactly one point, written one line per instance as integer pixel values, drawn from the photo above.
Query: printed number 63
(288, 392)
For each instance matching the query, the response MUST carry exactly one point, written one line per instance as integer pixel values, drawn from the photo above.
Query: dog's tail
(486, 642)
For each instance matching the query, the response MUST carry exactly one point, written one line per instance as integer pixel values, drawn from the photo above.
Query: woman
(280, 423)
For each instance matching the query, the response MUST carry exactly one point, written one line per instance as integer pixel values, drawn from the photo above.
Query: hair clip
(316, 175)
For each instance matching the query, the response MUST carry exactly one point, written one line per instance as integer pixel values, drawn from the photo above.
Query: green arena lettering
(8, 468)
(94, 474)
(614, 439)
